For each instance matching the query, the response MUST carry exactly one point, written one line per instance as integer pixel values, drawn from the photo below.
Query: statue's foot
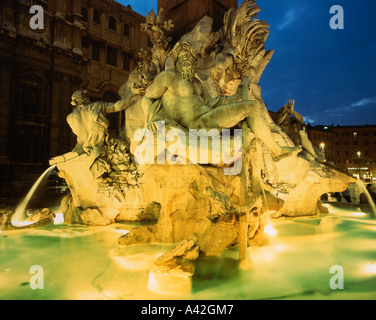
(288, 152)
(185, 250)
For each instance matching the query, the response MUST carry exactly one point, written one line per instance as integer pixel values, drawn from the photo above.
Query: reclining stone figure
(179, 96)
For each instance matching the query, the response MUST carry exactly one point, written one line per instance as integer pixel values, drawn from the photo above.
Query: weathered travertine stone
(36, 218)
(5, 218)
(94, 217)
(40, 214)
(208, 80)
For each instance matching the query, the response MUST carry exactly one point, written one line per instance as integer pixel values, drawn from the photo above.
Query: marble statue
(292, 123)
(184, 100)
(88, 122)
(207, 80)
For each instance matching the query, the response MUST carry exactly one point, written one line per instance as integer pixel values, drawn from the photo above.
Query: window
(84, 14)
(96, 51)
(85, 41)
(126, 30)
(112, 23)
(29, 147)
(366, 142)
(126, 61)
(346, 143)
(29, 141)
(113, 118)
(355, 143)
(97, 16)
(30, 100)
(111, 56)
(346, 153)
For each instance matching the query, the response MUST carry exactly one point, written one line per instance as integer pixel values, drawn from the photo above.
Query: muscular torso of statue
(183, 100)
(188, 104)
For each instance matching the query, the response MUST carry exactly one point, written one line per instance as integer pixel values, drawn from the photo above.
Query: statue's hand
(291, 105)
(138, 91)
(153, 127)
(239, 91)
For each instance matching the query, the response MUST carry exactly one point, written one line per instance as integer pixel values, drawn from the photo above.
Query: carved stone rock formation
(197, 205)
(36, 218)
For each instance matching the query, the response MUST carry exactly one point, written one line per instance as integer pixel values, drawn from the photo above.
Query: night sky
(331, 74)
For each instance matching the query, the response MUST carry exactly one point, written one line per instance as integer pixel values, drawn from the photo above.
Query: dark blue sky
(330, 73)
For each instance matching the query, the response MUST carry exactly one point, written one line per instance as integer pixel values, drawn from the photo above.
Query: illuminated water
(19, 216)
(364, 190)
(86, 262)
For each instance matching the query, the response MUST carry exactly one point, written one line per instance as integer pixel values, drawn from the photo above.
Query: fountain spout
(369, 198)
(19, 219)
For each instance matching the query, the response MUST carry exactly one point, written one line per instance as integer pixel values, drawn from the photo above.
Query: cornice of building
(122, 7)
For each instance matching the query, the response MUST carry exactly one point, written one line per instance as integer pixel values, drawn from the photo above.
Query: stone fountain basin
(87, 262)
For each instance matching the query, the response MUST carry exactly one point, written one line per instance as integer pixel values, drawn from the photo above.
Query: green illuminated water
(86, 263)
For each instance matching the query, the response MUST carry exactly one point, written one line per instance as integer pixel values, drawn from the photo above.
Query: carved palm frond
(246, 35)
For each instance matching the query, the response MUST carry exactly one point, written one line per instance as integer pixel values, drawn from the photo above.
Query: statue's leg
(229, 115)
(226, 116)
(307, 145)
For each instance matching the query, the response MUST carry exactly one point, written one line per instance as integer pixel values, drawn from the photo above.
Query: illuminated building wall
(83, 44)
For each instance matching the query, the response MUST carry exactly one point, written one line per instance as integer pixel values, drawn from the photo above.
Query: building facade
(322, 138)
(351, 148)
(88, 44)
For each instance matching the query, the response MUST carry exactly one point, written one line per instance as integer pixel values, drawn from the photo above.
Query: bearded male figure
(181, 97)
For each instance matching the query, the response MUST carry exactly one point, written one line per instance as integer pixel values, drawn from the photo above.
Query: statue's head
(151, 17)
(80, 98)
(185, 59)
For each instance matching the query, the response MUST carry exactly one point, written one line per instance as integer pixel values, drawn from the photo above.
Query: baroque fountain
(200, 180)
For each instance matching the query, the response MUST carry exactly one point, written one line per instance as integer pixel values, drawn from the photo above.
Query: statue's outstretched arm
(215, 102)
(123, 103)
(295, 114)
